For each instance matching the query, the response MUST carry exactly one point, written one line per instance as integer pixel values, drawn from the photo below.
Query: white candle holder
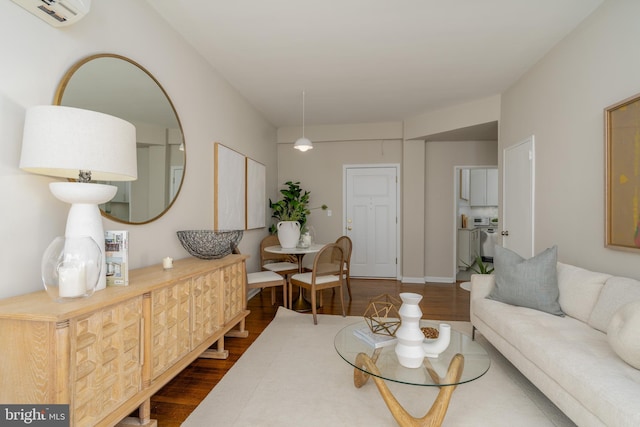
(71, 268)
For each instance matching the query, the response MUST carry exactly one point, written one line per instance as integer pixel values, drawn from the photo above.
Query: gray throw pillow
(531, 283)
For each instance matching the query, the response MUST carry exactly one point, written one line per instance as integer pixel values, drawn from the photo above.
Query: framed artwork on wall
(256, 194)
(228, 189)
(622, 166)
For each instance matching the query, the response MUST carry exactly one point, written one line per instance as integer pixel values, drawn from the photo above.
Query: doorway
(476, 197)
(371, 219)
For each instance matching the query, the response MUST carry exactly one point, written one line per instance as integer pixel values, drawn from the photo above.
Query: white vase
(288, 233)
(410, 337)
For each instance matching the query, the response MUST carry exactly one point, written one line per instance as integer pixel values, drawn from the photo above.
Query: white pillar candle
(72, 281)
(167, 263)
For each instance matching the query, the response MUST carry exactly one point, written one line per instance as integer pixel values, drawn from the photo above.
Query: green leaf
(479, 266)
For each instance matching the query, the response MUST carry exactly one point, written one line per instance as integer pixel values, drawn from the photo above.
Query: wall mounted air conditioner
(58, 13)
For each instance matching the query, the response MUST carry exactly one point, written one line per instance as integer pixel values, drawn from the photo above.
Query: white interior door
(518, 198)
(371, 220)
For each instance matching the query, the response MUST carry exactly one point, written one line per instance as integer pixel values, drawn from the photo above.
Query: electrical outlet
(329, 212)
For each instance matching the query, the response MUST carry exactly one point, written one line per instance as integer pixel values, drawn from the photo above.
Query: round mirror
(118, 86)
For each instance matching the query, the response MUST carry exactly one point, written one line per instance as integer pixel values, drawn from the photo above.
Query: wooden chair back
(328, 261)
(266, 257)
(346, 245)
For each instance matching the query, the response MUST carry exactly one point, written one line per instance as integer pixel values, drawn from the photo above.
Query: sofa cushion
(617, 291)
(531, 283)
(579, 290)
(623, 333)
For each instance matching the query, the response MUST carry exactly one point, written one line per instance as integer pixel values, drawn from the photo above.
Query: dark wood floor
(173, 403)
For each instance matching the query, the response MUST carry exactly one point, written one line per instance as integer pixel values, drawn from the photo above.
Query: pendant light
(303, 144)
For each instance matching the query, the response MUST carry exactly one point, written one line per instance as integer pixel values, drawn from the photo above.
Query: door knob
(505, 233)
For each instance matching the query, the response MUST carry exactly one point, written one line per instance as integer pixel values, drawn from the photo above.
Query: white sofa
(569, 357)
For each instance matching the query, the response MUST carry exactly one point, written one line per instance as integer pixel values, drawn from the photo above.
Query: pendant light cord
(303, 113)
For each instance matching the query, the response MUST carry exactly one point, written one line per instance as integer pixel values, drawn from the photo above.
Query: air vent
(58, 13)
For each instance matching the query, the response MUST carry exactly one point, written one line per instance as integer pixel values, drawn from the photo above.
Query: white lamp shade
(61, 141)
(303, 144)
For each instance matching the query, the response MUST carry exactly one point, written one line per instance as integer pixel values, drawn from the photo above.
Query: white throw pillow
(623, 333)
(616, 292)
(579, 290)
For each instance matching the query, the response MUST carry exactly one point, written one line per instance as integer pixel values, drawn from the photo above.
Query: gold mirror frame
(58, 100)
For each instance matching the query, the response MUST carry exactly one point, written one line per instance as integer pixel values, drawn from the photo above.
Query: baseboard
(412, 280)
(433, 279)
(427, 279)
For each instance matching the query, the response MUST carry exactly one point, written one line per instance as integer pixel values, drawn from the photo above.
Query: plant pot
(288, 233)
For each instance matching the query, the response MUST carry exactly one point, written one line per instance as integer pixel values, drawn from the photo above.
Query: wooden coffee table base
(438, 410)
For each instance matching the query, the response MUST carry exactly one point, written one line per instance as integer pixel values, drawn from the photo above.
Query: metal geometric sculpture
(382, 315)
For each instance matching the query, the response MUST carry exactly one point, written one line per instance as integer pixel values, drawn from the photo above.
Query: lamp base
(84, 217)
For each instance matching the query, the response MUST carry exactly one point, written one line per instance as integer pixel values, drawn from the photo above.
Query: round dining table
(300, 304)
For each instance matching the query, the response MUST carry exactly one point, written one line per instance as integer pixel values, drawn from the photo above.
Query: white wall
(427, 192)
(342, 132)
(320, 171)
(34, 58)
(561, 101)
(448, 118)
(413, 211)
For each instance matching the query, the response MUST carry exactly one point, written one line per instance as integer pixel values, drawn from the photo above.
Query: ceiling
(362, 61)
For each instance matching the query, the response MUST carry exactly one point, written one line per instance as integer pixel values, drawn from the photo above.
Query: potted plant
(292, 206)
(291, 212)
(479, 267)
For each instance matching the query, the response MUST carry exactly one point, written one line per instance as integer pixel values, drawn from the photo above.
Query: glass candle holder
(71, 267)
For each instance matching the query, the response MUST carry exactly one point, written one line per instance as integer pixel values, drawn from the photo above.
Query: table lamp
(80, 144)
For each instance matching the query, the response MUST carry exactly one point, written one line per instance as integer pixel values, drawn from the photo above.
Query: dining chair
(279, 263)
(346, 245)
(267, 279)
(284, 265)
(326, 273)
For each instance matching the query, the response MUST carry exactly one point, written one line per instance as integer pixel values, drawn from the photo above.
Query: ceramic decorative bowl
(209, 244)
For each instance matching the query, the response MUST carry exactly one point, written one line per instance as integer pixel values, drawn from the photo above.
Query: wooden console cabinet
(107, 355)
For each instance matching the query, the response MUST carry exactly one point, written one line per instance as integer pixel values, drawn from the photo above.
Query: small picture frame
(116, 245)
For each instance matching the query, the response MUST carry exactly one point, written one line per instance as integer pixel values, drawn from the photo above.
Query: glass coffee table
(463, 361)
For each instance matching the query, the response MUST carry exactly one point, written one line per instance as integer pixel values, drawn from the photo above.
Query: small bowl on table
(209, 244)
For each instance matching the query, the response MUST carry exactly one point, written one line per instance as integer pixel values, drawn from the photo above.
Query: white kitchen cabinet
(492, 187)
(468, 246)
(483, 187)
(464, 184)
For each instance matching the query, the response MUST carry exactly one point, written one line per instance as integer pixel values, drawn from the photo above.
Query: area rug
(292, 376)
